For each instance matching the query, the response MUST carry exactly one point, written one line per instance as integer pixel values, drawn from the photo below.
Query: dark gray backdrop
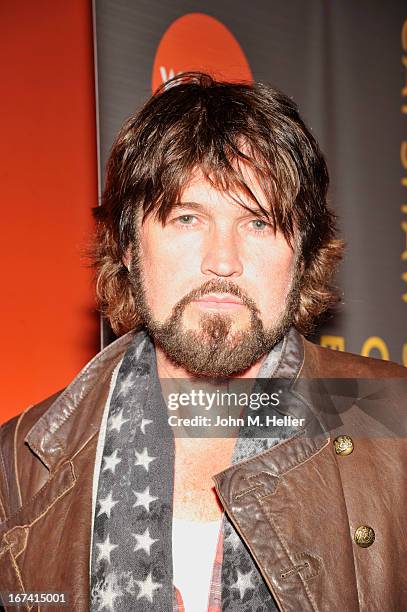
(341, 62)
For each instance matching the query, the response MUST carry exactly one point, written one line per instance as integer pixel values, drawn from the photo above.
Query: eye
(185, 219)
(259, 225)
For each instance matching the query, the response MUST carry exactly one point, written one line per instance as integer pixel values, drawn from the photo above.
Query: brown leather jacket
(296, 506)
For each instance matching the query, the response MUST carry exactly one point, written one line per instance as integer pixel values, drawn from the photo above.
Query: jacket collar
(74, 418)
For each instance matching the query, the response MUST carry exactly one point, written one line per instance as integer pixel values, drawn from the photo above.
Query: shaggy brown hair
(194, 121)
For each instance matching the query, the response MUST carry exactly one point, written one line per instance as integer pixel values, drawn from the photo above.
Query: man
(214, 253)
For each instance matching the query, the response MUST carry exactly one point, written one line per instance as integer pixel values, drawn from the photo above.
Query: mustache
(216, 285)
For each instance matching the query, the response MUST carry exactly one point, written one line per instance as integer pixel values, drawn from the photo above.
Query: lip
(219, 301)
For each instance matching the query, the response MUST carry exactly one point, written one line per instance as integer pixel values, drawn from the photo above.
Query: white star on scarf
(234, 539)
(143, 459)
(111, 461)
(108, 595)
(105, 549)
(116, 421)
(144, 422)
(106, 505)
(147, 587)
(126, 384)
(143, 541)
(243, 583)
(140, 348)
(143, 498)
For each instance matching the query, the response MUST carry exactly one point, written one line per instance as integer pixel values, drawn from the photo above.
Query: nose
(221, 255)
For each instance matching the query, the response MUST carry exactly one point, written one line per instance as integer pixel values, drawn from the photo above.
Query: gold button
(364, 536)
(343, 445)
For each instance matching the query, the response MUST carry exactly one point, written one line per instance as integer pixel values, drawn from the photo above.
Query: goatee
(214, 350)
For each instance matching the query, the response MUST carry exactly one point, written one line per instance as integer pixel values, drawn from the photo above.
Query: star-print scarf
(131, 567)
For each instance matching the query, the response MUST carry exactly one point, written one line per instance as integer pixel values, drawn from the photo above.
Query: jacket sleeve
(8, 481)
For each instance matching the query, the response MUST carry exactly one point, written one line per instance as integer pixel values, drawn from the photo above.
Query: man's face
(215, 286)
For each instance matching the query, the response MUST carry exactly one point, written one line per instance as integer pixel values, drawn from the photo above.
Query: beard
(214, 350)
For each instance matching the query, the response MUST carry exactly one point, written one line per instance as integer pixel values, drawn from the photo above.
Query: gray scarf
(131, 568)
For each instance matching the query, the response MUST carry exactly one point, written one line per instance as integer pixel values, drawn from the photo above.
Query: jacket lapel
(287, 504)
(74, 418)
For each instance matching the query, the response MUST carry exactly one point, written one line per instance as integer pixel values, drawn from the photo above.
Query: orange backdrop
(47, 188)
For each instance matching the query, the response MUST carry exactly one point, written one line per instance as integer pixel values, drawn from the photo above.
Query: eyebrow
(198, 206)
(194, 205)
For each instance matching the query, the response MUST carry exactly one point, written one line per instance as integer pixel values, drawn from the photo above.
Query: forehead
(199, 189)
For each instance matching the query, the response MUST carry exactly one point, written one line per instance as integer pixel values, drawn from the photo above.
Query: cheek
(156, 269)
(169, 271)
(273, 278)
(161, 253)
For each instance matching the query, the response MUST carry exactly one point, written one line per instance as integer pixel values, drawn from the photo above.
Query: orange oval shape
(199, 42)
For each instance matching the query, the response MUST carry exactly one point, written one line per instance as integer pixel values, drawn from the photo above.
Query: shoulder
(95, 369)
(358, 396)
(26, 419)
(13, 431)
(32, 442)
(321, 362)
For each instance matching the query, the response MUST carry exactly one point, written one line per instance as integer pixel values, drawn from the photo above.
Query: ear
(126, 259)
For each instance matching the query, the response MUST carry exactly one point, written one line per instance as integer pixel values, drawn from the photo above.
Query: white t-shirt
(193, 553)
